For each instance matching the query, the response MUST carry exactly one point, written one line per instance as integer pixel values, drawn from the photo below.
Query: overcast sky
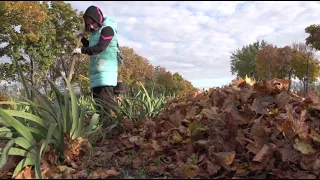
(196, 38)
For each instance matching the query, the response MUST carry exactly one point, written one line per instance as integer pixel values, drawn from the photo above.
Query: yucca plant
(46, 121)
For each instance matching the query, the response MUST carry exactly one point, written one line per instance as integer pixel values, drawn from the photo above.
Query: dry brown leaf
(52, 173)
(252, 147)
(225, 159)
(314, 98)
(11, 163)
(190, 171)
(257, 131)
(245, 94)
(304, 175)
(243, 169)
(205, 101)
(304, 148)
(289, 154)
(284, 81)
(256, 166)
(176, 138)
(156, 169)
(80, 174)
(26, 173)
(76, 149)
(201, 144)
(156, 146)
(133, 139)
(230, 104)
(283, 99)
(278, 85)
(218, 98)
(263, 87)
(177, 118)
(238, 82)
(195, 110)
(239, 118)
(198, 96)
(314, 136)
(261, 103)
(103, 173)
(282, 174)
(212, 168)
(263, 154)
(286, 129)
(209, 113)
(66, 171)
(128, 124)
(311, 162)
(137, 161)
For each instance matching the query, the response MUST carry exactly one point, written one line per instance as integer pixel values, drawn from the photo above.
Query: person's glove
(76, 51)
(81, 31)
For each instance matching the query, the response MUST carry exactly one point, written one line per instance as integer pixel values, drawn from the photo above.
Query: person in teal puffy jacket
(102, 49)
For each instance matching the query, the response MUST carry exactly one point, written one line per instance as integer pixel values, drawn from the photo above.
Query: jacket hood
(94, 13)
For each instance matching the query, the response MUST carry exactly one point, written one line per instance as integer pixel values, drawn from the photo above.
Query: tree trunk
(32, 67)
(304, 84)
(308, 74)
(290, 74)
(269, 67)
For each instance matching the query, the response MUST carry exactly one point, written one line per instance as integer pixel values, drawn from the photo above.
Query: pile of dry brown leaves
(241, 131)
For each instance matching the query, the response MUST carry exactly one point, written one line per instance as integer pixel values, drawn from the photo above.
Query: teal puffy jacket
(103, 67)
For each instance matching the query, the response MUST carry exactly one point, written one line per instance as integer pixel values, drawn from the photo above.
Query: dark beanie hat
(94, 13)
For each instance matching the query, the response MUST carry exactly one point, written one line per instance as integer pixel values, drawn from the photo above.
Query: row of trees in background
(138, 69)
(267, 61)
(44, 34)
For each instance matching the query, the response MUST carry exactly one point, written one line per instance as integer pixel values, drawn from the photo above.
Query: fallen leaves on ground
(246, 130)
(103, 173)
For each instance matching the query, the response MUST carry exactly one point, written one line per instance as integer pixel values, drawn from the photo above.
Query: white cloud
(196, 38)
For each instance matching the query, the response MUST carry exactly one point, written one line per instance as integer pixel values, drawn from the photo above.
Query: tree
(243, 61)
(314, 36)
(267, 64)
(47, 46)
(135, 68)
(178, 83)
(188, 90)
(166, 81)
(66, 22)
(306, 66)
(20, 23)
(277, 60)
(286, 55)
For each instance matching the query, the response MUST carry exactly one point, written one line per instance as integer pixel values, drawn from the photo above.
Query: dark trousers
(106, 95)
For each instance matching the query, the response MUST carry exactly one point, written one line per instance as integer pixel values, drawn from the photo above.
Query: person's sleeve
(85, 42)
(105, 38)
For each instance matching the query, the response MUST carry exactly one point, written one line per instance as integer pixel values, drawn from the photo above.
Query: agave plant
(46, 121)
